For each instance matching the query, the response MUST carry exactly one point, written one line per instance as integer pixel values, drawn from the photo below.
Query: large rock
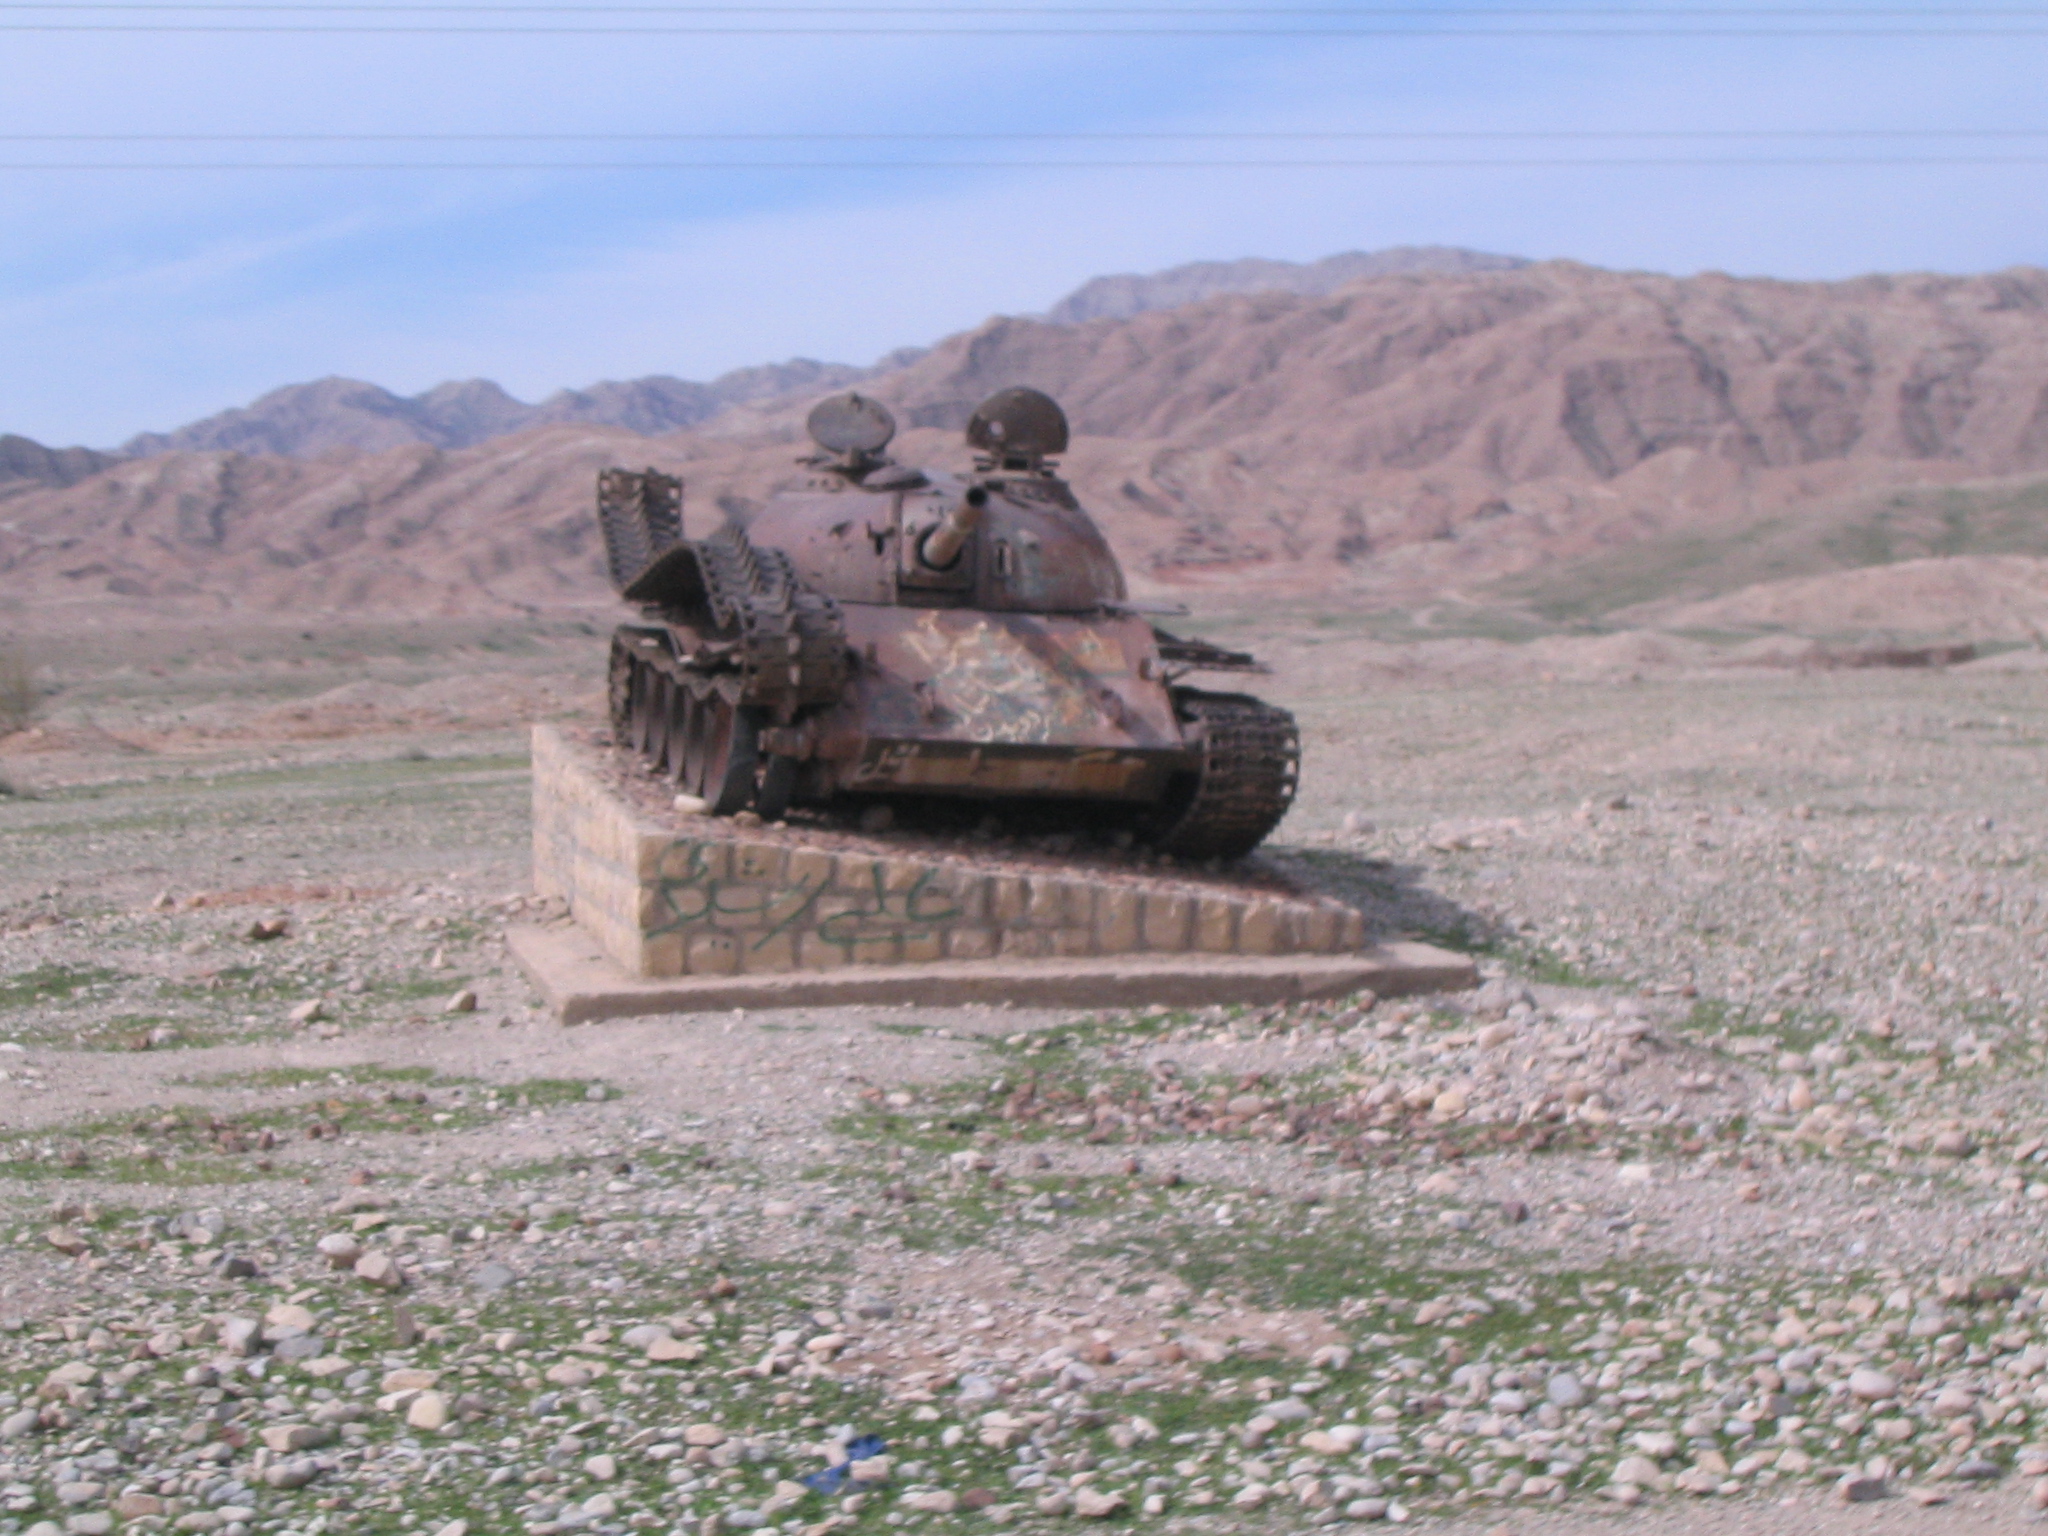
(381, 1270)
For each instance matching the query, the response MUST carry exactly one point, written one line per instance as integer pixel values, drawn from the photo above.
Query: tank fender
(673, 582)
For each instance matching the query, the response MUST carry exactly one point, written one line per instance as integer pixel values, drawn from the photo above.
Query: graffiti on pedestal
(700, 899)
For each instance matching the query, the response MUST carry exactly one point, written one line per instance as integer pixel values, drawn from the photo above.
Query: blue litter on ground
(832, 1479)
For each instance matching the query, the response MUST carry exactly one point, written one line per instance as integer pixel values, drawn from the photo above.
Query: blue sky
(133, 300)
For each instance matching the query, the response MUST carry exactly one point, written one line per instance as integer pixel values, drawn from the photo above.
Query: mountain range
(1554, 437)
(1126, 294)
(303, 420)
(307, 419)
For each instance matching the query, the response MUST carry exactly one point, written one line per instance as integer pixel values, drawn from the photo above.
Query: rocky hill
(24, 463)
(1555, 369)
(1123, 295)
(306, 419)
(1555, 437)
(1440, 430)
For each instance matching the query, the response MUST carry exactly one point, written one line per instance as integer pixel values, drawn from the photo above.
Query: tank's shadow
(1393, 896)
(1064, 827)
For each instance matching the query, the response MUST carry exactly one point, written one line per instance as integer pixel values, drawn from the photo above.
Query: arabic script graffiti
(700, 898)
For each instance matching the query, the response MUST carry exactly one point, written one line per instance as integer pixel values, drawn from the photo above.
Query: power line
(1461, 136)
(1048, 21)
(1353, 14)
(1335, 136)
(1309, 33)
(1505, 163)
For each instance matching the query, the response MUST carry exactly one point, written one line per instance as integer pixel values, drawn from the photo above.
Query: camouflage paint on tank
(1005, 704)
(879, 628)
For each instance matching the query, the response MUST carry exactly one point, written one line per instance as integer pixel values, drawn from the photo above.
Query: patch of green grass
(53, 1160)
(948, 1116)
(1355, 1256)
(129, 1026)
(20, 697)
(127, 1032)
(949, 1220)
(205, 1146)
(1532, 962)
(52, 983)
(389, 773)
(1064, 1043)
(1437, 621)
(1709, 1015)
(1180, 1413)
(959, 1222)
(541, 1092)
(300, 1077)
(660, 1164)
(1317, 1270)
(247, 981)
(1459, 936)
(949, 1132)
(1859, 530)
(415, 988)
(451, 1105)
(1587, 591)
(1539, 963)
(1792, 1029)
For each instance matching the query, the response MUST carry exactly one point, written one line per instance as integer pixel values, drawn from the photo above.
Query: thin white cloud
(139, 302)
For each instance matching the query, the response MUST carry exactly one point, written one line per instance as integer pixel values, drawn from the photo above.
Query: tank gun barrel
(942, 546)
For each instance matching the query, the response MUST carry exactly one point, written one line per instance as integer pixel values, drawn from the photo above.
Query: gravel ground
(1720, 1203)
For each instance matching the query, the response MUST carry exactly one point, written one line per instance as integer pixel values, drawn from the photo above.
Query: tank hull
(962, 702)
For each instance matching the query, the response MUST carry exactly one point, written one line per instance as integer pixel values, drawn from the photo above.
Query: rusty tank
(881, 631)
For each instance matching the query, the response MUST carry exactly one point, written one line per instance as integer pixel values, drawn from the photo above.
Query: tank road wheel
(675, 739)
(696, 716)
(724, 739)
(655, 721)
(778, 785)
(619, 692)
(636, 688)
(675, 760)
(1250, 759)
(646, 739)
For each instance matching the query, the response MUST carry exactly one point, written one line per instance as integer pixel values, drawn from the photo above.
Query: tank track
(640, 513)
(791, 642)
(1251, 761)
(787, 643)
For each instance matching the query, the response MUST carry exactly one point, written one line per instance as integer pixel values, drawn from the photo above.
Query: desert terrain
(1722, 1189)
(1671, 646)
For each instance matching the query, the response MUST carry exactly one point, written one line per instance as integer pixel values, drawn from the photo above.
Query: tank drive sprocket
(791, 642)
(1250, 763)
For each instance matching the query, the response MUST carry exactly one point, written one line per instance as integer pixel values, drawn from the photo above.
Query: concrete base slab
(581, 985)
(709, 897)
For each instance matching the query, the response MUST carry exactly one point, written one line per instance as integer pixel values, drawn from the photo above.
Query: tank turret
(878, 630)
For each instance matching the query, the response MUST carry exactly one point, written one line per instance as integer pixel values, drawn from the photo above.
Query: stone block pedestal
(733, 910)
